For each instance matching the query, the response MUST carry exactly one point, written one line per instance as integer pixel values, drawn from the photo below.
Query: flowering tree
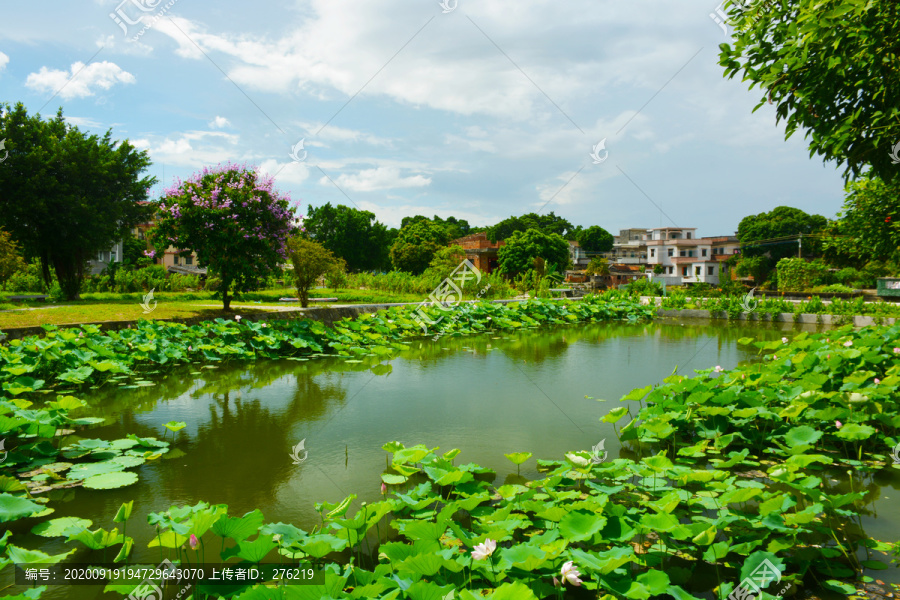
(233, 219)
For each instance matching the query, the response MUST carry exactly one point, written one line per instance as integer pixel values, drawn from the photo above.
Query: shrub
(833, 288)
(27, 280)
(795, 274)
(645, 287)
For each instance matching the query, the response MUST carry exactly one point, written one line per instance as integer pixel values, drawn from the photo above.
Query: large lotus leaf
(10, 484)
(802, 435)
(513, 591)
(13, 507)
(128, 461)
(763, 567)
(256, 550)
(319, 545)
(175, 426)
(61, 527)
(110, 481)
(855, 431)
(21, 556)
(87, 470)
(239, 528)
(517, 458)
(581, 525)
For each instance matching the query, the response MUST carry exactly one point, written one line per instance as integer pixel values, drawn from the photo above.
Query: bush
(833, 288)
(212, 284)
(27, 280)
(796, 274)
(645, 287)
(846, 276)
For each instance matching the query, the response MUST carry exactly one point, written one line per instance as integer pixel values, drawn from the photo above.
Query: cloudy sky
(479, 110)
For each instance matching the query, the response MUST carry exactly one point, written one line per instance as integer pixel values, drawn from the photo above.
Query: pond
(484, 394)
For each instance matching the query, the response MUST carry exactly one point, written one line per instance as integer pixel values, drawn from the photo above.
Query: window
(710, 270)
(682, 253)
(652, 252)
(671, 270)
(703, 252)
(104, 256)
(189, 260)
(684, 271)
(688, 235)
(698, 271)
(671, 251)
(175, 259)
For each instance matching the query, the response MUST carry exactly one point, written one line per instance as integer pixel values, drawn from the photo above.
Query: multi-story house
(687, 259)
(629, 247)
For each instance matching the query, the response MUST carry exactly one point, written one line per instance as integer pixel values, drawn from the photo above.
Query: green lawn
(97, 307)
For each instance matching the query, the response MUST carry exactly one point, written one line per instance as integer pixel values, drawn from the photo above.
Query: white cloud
(380, 178)
(81, 82)
(4, 60)
(193, 149)
(83, 122)
(219, 123)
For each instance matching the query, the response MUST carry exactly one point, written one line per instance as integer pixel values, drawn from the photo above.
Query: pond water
(486, 395)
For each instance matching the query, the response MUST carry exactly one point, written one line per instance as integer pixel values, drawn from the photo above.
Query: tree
(595, 239)
(416, 245)
(598, 266)
(869, 222)
(759, 234)
(352, 234)
(830, 68)
(233, 219)
(311, 260)
(522, 247)
(446, 259)
(546, 223)
(66, 195)
(10, 259)
(456, 228)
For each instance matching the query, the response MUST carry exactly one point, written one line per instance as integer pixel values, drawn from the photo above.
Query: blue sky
(479, 110)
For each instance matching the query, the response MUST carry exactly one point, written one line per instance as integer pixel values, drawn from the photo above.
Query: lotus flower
(482, 551)
(848, 343)
(719, 369)
(383, 488)
(877, 381)
(784, 340)
(896, 350)
(555, 581)
(193, 542)
(838, 424)
(569, 572)
(237, 318)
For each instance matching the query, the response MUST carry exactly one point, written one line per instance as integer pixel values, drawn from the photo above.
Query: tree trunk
(226, 298)
(303, 293)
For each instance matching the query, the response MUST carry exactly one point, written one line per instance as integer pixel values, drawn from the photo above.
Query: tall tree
(768, 237)
(830, 67)
(66, 195)
(352, 234)
(456, 228)
(522, 247)
(417, 244)
(869, 224)
(549, 223)
(311, 260)
(595, 239)
(235, 221)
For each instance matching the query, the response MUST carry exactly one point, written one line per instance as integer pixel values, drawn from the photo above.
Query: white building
(687, 259)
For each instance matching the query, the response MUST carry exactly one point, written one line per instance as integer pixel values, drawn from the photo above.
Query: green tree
(10, 259)
(446, 259)
(352, 234)
(311, 261)
(760, 234)
(595, 239)
(830, 68)
(233, 219)
(869, 223)
(548, 224)
(598, 266)
(66, 195)
(456, 228)
(416, 245)
(522, 247)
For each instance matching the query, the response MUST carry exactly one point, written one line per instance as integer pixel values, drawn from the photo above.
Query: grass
(97, 307)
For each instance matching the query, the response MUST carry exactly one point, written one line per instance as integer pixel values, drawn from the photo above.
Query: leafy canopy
(311, 261)
(352, 234)
(416, 245)
(548, 224)
(522, 247)
(66, 195)
(456, 228)
(234, 220)
(595, 239)
(755, 232)
(870, 221)
(830, 69)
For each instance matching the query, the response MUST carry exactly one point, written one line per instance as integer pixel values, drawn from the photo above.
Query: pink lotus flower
(383, 488)
(718, 369)
(774, 357)
(482, 551)
(848, 343)
(569, 572)
(896, 350)
(784, 340)
(877, 381)
(193, 542)
(555, 581)
(838, 424)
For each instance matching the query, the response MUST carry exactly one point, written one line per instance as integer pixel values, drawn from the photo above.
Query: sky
(607, 113)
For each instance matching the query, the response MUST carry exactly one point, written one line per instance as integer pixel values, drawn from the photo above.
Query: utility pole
(800, 246)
